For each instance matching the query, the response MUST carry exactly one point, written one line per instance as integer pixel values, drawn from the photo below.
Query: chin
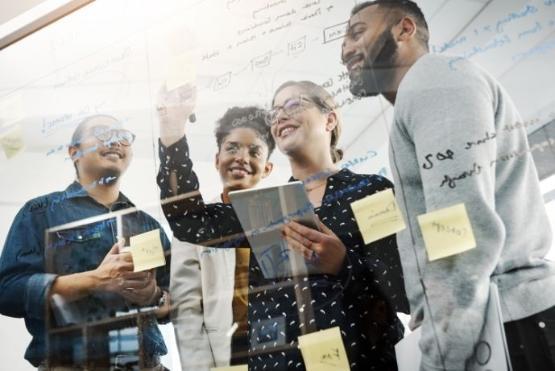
(364, 84)
(237, 185)
(289, 144)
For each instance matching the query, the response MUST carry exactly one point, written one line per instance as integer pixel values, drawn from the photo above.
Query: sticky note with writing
(181, 71)
(324, 351)
(12, 141)
(146, 250)
(378, 216)
(231, 368)
(447, 232)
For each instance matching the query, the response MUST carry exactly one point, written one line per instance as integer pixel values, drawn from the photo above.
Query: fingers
(186, 92)
(324, 228)
(134, 284)
(141, 296)
(125, 257)
(293, 234)
(116, 247)
(308, 233)
(138, 276)
(137, 296)
(122, 262)
(298, 247)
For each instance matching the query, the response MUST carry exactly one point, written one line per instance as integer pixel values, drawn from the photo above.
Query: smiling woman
(306, 125)
(244, 147)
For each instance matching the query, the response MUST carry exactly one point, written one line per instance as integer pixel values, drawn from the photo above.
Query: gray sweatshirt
(457, 138)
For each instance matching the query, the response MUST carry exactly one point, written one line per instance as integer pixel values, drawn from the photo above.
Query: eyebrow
(287, 100)
(350, 27)
(251, 146)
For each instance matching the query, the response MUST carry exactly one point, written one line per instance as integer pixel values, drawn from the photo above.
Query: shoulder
(373, 182)
(360, 185)
(435, 85)
(40, 204)
(433, 72)
(31, 218)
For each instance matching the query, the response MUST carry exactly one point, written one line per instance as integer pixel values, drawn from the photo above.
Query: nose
(242, 155)
(280, 115)
(114, 140)
(347, 50)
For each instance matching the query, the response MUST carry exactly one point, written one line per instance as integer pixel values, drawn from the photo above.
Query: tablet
(262, 213)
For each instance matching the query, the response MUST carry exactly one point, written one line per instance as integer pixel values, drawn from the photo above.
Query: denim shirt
(28, 269)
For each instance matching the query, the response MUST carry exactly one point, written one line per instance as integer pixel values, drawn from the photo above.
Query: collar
(75, 190)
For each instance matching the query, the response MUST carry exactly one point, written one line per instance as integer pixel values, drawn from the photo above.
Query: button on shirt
(26, 277)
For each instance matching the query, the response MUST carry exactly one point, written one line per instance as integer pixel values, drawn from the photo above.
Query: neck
(105, 194)
(391, 94)
(225, 196)
(310, 165)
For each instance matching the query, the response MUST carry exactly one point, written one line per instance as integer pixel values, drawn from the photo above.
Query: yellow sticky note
(181, 71)
(231, 368)
(12, 141)
(324, 351)
(146, 250)
(447, 232)
(378, 216)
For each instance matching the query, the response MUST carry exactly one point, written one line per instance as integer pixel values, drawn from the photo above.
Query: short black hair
(405, 6)
(250, 117)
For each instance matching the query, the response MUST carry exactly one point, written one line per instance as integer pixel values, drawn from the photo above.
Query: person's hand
(324, 249)
(140, 288)
(174, 108)
(109, 275)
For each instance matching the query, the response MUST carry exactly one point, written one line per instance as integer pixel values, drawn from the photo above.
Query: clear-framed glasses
(291, 107)
(111, 135)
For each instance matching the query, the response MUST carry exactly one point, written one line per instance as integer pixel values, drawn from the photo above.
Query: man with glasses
(96, 274)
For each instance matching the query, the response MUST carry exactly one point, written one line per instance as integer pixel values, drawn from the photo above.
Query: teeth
(286, 131)
(353, 62)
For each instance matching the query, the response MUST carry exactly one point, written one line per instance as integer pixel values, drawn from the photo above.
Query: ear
(217, 161)
(73, 153)
(331, 122)
(267, 169)
(405, 29)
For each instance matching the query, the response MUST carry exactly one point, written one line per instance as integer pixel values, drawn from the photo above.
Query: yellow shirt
(240, 295)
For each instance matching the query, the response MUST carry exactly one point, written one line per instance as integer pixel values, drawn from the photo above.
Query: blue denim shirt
(27, 269)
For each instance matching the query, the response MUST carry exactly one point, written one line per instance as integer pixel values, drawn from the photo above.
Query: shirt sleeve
(189, 217)
(458, 109)
(23, 282)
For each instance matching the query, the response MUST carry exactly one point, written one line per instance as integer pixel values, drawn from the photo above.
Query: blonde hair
(325, 102)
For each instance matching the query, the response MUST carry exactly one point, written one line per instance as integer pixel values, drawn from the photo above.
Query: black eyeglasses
(291, 107)
(106, 135)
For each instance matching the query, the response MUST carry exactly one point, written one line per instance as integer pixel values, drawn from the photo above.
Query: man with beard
(450, 119)
(94, 277)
